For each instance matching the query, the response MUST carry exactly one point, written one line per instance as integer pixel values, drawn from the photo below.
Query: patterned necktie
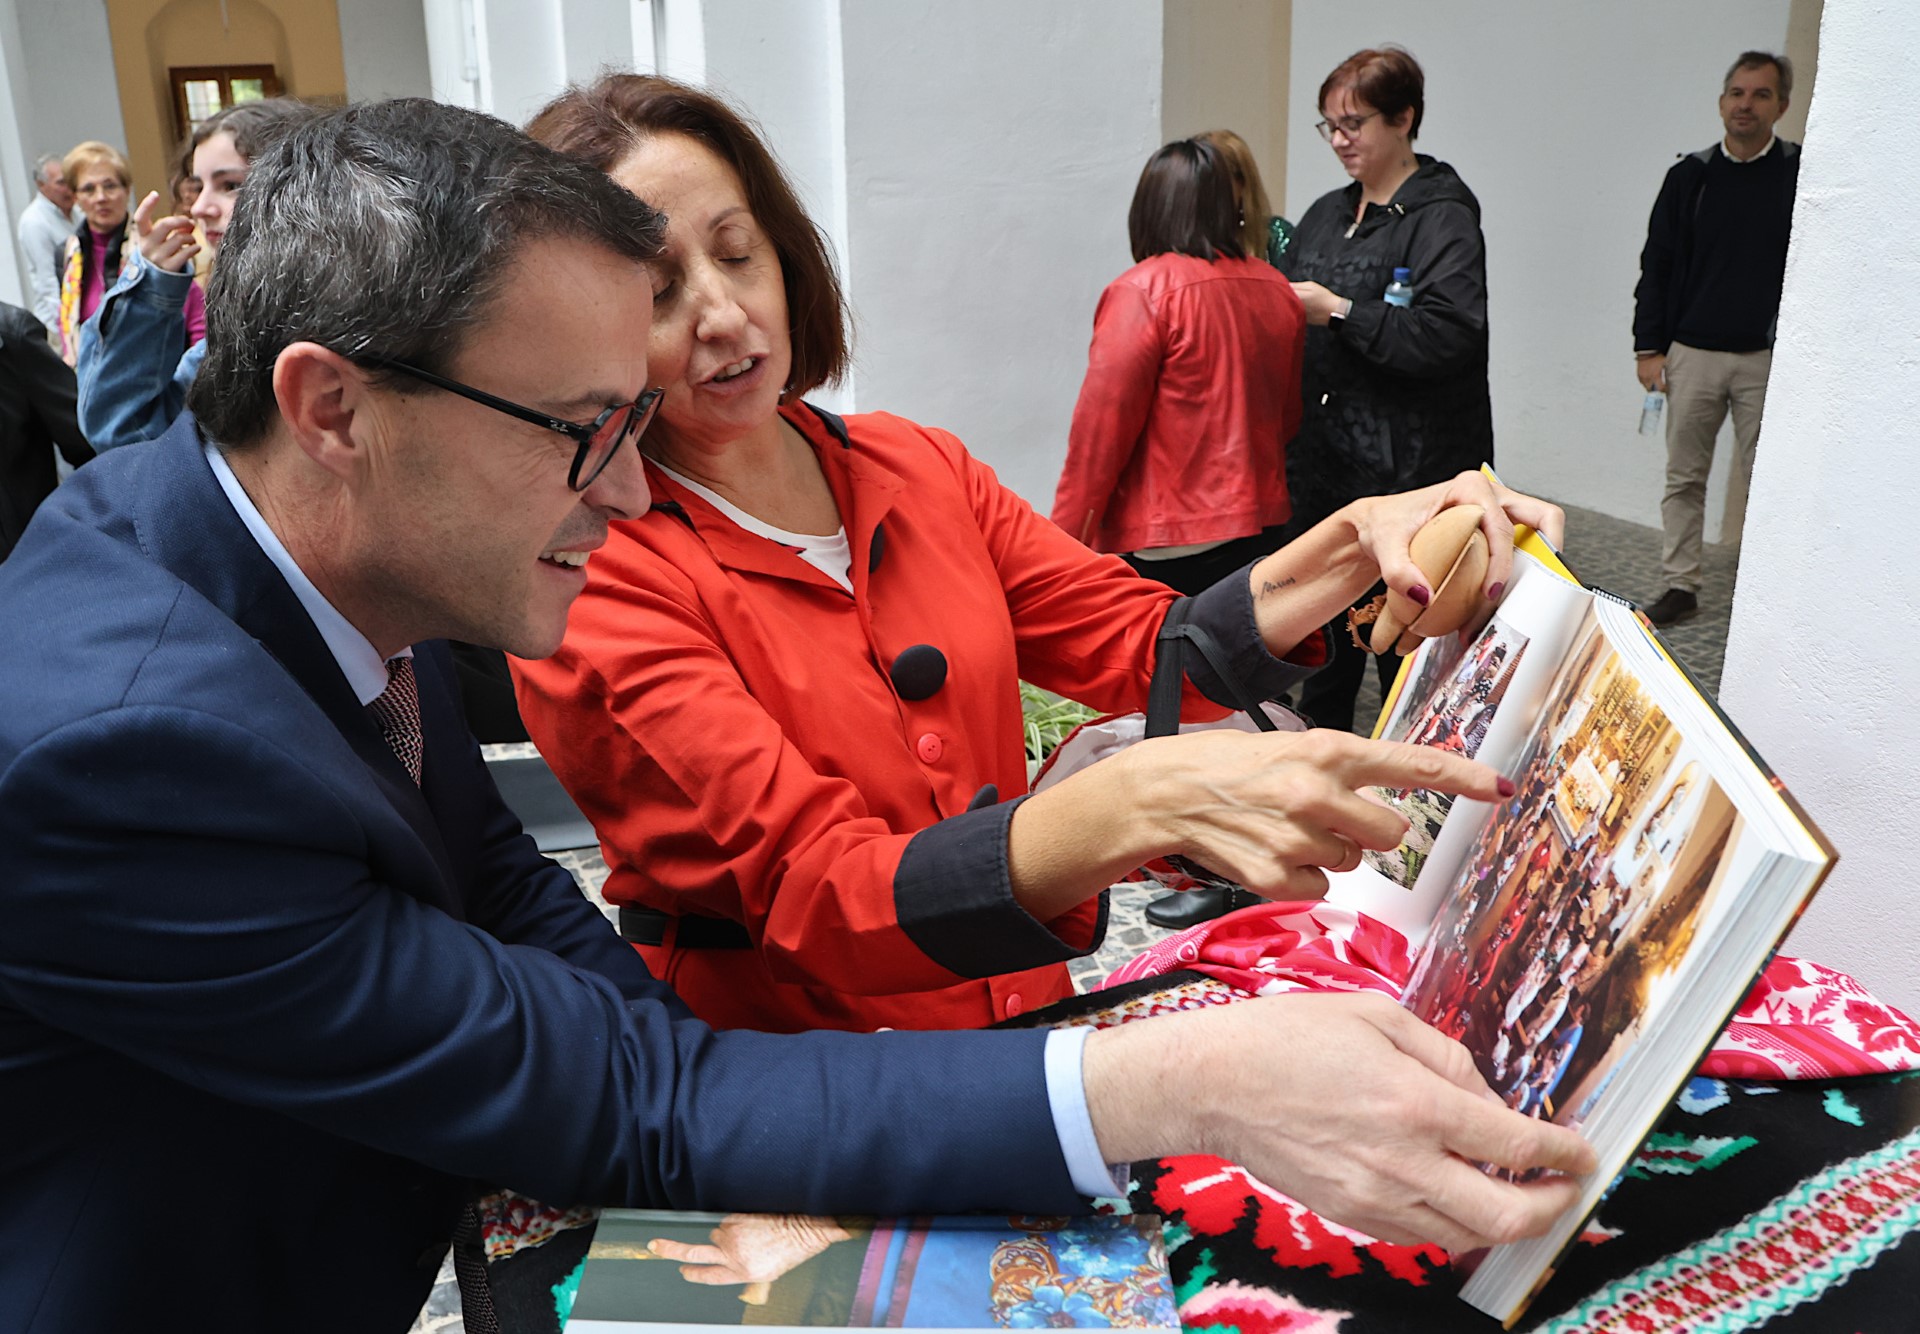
(397, 713)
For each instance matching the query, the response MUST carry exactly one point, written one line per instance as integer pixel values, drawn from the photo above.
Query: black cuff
(953, 895)
(1226, 612)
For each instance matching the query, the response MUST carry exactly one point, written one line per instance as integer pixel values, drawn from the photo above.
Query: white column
(1821, 668)
(16, 159)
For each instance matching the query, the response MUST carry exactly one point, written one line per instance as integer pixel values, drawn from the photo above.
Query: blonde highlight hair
(1248, 191)
(92, 153)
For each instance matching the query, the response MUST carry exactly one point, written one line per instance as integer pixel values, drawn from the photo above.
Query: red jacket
(1192, 393)
(723, 713)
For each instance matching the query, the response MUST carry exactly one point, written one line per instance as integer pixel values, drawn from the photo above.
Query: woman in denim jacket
(133, 379)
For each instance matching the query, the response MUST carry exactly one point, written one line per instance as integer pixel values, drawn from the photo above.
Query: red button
(929, 748)
(1015, 1005)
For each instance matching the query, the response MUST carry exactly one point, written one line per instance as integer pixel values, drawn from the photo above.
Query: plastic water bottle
(1650, 412)
(1400, 290)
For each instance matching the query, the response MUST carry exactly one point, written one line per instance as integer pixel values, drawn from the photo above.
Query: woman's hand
(166, 243)
(751, 1248)
(1320, 304)
(1385, 525)
(1274, 811)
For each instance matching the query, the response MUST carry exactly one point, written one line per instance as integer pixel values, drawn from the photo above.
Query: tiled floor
(1609, 553)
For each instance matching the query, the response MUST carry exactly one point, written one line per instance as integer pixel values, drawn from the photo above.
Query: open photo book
(1587, 938)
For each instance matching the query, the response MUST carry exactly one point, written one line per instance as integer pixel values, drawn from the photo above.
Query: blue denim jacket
(132, 382)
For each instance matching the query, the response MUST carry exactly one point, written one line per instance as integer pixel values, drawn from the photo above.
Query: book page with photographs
(1476, 699)
(1610, 914)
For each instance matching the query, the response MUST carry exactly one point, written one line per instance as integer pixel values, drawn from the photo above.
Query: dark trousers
(1328, 696)
(1196, 574)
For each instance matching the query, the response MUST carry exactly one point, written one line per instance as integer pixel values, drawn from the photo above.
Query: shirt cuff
(1092, 1175)
(1225, 611)
(953, 897)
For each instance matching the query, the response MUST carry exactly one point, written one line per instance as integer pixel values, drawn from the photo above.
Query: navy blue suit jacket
(268, 1011)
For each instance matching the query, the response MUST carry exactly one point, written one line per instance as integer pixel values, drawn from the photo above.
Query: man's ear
(320, 393)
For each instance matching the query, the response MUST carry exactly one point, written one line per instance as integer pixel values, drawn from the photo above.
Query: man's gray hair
(1754, 60)
(384, 231)
(40, 165)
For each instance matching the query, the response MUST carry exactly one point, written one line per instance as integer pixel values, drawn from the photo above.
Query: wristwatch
(1341, 314)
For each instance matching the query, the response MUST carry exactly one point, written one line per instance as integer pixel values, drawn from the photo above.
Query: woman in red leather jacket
(1177, 455)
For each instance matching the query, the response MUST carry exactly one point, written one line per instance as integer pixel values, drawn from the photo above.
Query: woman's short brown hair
(1386, 78)
(605, 121)
(92, 153)
(1184, 205)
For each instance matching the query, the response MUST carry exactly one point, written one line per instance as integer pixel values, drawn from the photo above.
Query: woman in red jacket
(788, 696)
(1177, 454)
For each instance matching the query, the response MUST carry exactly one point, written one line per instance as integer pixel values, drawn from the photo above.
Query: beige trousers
(1701, 387)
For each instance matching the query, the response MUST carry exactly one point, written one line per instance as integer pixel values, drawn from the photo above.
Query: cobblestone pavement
(1609, 553)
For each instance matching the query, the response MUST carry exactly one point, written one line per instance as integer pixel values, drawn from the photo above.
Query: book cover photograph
(658, 1270)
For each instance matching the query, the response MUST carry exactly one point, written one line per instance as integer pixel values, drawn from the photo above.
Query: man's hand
(1652, 370)
(751, 1248)
(1320, 304)
(1345, 1102)
(166, 243)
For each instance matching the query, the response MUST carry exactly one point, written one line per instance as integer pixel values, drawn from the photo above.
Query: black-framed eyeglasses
(596, 442)
(1347, 125)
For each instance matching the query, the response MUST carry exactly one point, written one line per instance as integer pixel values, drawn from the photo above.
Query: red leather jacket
(1192, 393)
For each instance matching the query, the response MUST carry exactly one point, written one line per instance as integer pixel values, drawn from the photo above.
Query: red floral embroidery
(1212, 1195)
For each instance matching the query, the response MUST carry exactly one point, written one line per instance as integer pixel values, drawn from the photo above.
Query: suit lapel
(189, 527)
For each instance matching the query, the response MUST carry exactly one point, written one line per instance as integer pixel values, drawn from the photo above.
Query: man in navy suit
(280, 977)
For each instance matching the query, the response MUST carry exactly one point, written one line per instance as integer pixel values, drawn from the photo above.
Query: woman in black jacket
(1396, 395)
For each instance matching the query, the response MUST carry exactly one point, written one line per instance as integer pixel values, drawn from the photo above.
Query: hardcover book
(1587, 938)
(658, 1271)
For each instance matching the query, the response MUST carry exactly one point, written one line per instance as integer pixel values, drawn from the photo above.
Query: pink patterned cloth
(1800, 1020)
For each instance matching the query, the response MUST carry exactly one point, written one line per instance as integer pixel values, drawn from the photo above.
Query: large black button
(877, 549)
(919, 671)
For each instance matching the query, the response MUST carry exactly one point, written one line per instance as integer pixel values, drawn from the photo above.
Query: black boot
(1190, 907)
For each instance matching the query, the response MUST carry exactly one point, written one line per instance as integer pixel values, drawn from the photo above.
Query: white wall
(782, 65)
(1820, 666)
(383, 45)
(992, 149)
(1563, 120)
(58, 90)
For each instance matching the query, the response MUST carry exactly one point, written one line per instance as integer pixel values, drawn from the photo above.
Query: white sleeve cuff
(1092, 1175)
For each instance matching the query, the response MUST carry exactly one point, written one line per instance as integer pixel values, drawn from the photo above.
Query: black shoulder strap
(1169, 671)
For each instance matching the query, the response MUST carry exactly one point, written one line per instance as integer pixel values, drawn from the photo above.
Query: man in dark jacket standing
(36, 417)
(1704, 311)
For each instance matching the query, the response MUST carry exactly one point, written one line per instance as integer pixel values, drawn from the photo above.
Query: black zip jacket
(1396, 397)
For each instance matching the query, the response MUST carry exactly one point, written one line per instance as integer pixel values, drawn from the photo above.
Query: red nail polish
(1420, 594)
(1507, 789)
(1493, 594)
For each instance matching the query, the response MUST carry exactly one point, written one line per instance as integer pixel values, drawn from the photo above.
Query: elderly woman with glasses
(788, 698)
(1396, 390)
